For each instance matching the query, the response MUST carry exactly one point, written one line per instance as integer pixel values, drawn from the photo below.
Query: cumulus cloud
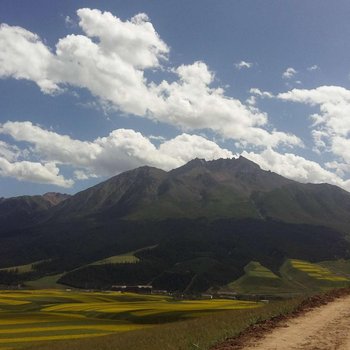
(121, 150)
(296, 168)
(289, 73)
(243, 64)
(24, 56)
(191, 103)
(47, 173)
(331, 126)
(110, 59)
(12, 166)
(9, 152)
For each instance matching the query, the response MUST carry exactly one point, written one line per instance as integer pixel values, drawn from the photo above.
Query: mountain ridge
(206, 220)
(235, 188)
(222, 188)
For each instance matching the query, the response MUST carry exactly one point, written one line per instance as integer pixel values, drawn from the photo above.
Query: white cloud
(191, 104)
(9, 152)
(124, 149)
(331, 126)
(121, 150)
(70, 23)
(24, 56)
(312, 68)
(295, 167)
(243, 64)
(251, 100)
(156, 138)
(83, 175)
(47, 173)
(57, 148)
(258, 92)
(185, 147)
(289, 73)
(110, 59)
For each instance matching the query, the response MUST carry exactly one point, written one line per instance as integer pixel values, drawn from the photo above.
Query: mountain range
(192, 228)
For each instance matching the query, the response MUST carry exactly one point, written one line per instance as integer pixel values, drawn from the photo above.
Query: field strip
(47, 338)
(9, 301)
(112, 328)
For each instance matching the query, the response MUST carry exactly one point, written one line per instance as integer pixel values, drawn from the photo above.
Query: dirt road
(324, 328)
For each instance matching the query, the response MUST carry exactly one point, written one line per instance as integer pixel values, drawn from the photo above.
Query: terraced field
(311, 276)
(30, 317)
(295, 277)
(316, 271)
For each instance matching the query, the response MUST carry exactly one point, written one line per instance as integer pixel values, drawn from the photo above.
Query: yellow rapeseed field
(317, 271)
(34, 316)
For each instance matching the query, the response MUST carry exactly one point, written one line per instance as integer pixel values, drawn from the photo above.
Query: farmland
(31, 317)
(311, 276)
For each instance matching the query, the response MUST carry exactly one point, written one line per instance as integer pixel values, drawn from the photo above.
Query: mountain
(26, 210)
(224, 188)
(188, 229)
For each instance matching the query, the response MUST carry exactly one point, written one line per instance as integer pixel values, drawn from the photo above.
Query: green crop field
(311, 276)
(23, 268)
(294, 277)
(260, 280)
(126, 258)
(31, 317)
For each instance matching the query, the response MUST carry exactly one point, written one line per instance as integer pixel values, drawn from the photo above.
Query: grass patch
(23, 268)
(126, 258)
(260, 280)
(118, 259)
(339, 267)
(46, 282)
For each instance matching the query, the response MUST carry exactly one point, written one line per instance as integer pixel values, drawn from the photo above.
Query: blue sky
(88, 90)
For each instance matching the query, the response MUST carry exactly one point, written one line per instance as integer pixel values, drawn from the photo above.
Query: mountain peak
(240, 164)
(195, 163)
(55, 198)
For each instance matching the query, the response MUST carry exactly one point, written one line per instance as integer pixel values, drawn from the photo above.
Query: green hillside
(295, 277)
(260, 280)
(311, 276)
(207, 220)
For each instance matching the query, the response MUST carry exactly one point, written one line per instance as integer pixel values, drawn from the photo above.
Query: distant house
(133, 289)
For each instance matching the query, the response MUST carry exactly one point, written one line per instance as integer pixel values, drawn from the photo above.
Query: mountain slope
(206, 220)
(26, 210)
(223, 188)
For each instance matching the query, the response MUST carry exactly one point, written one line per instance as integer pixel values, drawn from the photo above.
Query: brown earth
(320, 323)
